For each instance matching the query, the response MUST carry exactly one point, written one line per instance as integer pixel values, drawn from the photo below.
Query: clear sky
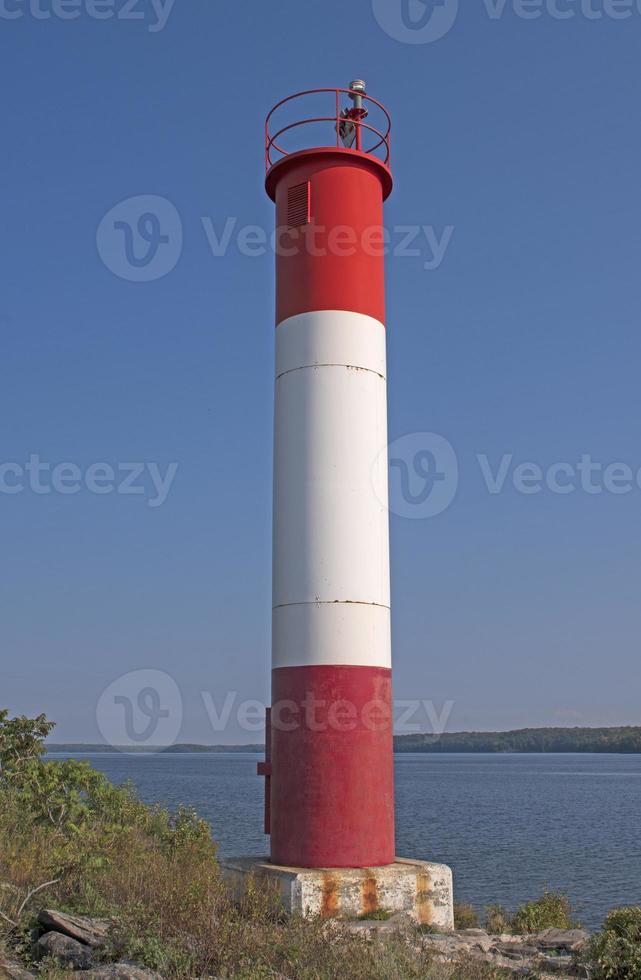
(520, 133)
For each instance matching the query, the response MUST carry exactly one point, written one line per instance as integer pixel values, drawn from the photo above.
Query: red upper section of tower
(330, 239)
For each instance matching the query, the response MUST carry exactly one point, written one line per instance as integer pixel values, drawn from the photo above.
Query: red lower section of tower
(332, 773)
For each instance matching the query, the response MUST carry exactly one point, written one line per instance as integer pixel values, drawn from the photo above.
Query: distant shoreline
(622, 740)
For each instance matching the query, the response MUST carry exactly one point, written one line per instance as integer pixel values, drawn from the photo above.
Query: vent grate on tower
(299, 205)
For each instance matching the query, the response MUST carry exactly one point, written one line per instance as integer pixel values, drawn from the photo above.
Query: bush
(497, 920)
(71, 838)
(551, 911)
(615, 953)
(625, 923)
(465, 917)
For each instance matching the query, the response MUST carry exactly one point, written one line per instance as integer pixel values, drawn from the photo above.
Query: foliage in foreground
(615, 952)
(551, 911)
(465, 916)
(69, 839)
(497, 920)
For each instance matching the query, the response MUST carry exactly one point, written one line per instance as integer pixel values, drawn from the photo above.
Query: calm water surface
(508, 825)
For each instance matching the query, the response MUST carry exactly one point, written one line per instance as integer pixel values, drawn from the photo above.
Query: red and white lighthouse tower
(329, 802)
(329, 768)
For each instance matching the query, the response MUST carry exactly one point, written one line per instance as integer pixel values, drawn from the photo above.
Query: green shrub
(21, 739)
(465, 916)
(551, 911)
(615, 953)
(497, 920)
(625, 923)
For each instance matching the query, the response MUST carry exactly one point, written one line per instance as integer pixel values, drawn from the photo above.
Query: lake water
(507, 824)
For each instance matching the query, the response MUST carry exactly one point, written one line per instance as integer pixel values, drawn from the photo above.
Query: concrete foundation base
(419, 888)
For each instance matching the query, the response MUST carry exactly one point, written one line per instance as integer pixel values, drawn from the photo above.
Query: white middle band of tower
(331, 588)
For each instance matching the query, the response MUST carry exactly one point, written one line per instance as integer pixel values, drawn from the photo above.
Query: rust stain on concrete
(329, 899)
(369, 895)
(424, 899)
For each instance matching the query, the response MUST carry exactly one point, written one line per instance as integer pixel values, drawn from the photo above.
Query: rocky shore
(76, 943)
(551, 953)
(81, 944)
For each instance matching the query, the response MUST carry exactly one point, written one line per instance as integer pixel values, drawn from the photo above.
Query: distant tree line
(90, 748)
(526, 740)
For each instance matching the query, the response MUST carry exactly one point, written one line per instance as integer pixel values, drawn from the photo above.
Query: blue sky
(522, 136)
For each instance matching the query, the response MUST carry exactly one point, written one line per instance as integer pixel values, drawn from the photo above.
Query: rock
(456, 943)
(557, 964)
(10, 970)
(515, 951)
(402, 920)
(66, 950)
(570, 939)
(91, 932)
(517, 955)
(118, 971)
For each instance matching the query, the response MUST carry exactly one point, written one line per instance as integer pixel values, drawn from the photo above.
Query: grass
(465, 916)
(173, 915)
(378, 915)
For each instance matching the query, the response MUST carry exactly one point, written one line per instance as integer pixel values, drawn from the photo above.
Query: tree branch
(35, 891)
(7, 919)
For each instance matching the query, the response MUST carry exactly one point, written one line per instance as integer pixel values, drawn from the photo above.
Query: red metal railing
(380, 140)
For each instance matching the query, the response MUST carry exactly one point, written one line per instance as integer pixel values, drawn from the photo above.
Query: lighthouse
(329, 767)
(331, 783)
